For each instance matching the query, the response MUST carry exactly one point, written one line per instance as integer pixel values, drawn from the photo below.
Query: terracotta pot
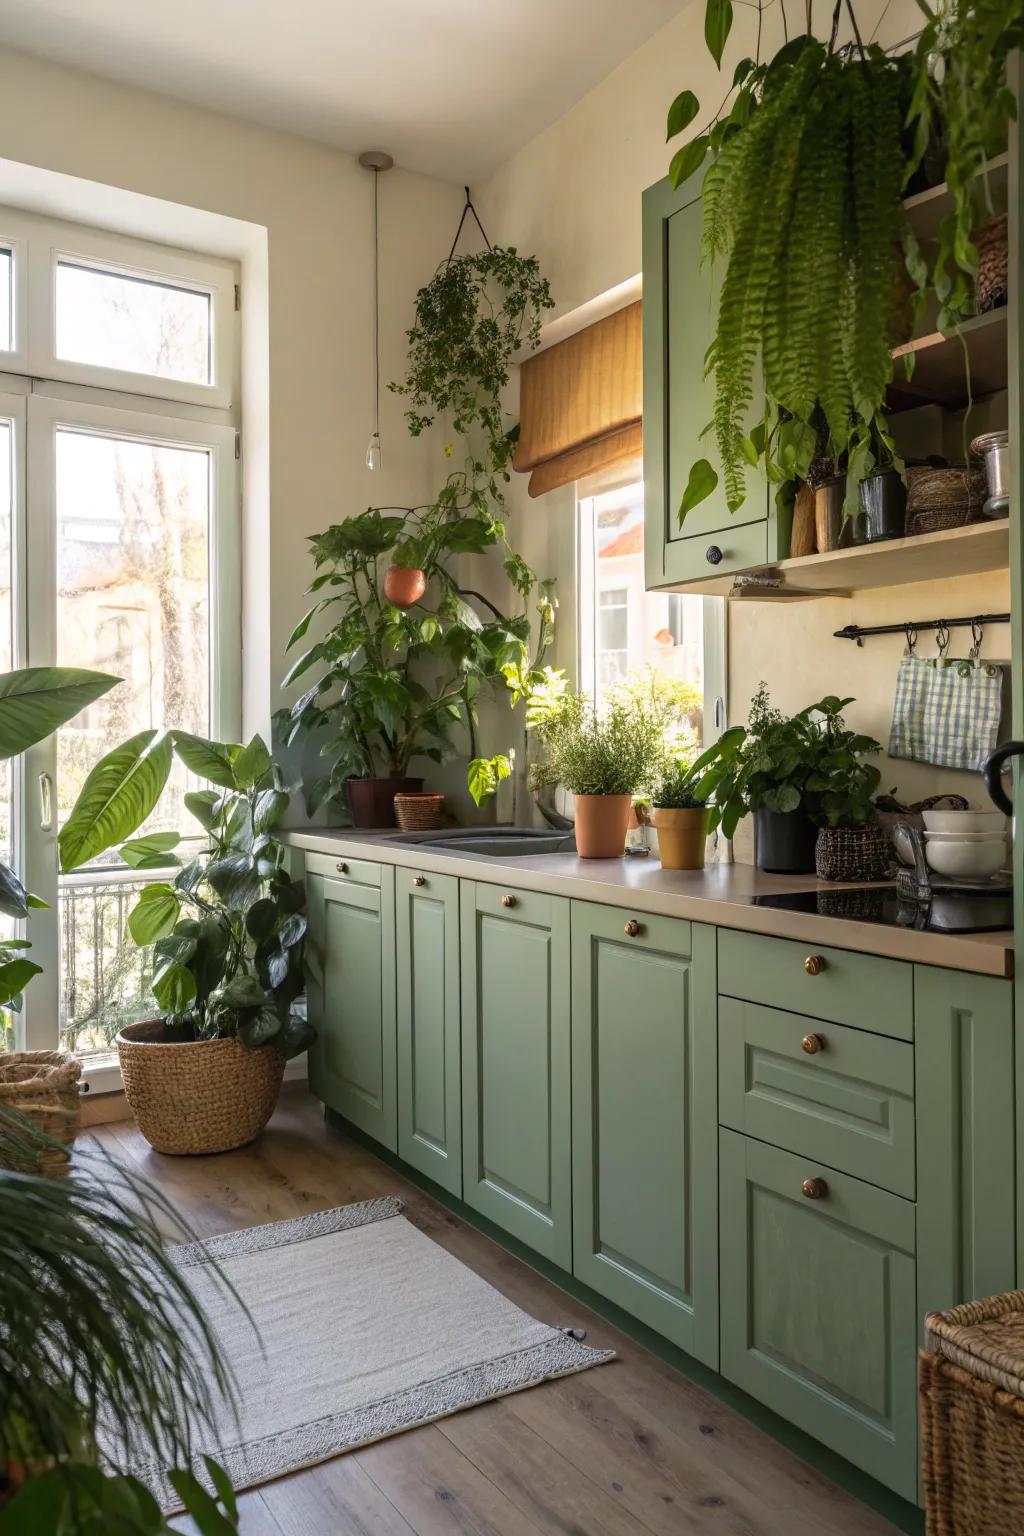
(404, 585)
(601, 825)
(372, 801)
(192, 1097)
(681, 836)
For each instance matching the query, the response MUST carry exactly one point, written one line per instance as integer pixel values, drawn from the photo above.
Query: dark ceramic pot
(784, 842)
(883, 508)
(372, 801)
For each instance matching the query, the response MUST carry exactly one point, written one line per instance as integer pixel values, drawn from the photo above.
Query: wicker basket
(972, 1418)
(43, 1086)
(852, 853)
(991, 286)
(419, 813)
(198, 1096)
(949, 497)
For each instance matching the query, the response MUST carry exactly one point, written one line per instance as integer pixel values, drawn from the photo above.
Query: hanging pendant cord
(376, 304)
(468, 208)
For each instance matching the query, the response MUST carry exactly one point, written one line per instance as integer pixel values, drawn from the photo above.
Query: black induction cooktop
(949, 911)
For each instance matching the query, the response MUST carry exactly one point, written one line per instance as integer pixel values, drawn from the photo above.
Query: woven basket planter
(949, 497)
(852, 853)
(43, 1086)
(971, 1382)
(992, 283)
(419, 813)
(197, 1096)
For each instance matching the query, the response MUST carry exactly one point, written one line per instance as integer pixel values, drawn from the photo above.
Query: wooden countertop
(721, 894)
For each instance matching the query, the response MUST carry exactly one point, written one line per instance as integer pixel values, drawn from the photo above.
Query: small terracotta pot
(681, 836)
(601, 825)
(404, 585)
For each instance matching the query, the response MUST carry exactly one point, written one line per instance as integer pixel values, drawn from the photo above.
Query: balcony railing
(105, 977)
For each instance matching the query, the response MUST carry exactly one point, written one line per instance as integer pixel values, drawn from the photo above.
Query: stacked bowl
(965, 845)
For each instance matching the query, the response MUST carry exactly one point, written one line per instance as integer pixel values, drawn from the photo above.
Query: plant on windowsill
(227, 933)
(98, 1327)
(680, 818)
(604, 760)
(411, 648)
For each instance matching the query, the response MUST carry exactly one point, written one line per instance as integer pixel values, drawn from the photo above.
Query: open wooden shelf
(925, 210)
(891, 563)
(941, 374)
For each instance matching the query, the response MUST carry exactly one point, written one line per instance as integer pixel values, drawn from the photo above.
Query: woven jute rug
(367, 1328)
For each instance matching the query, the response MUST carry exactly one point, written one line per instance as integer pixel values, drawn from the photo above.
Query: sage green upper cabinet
(680, 312)
(517, 1160)
(645, 1185)
(351, 998)
(819, 1305)
(429, 1049)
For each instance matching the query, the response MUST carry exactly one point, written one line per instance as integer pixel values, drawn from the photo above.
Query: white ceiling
(449, 87)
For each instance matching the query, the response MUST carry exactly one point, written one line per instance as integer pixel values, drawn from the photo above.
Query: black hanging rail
(858, 632)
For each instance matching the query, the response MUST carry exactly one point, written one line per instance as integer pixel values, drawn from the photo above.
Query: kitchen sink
(493, 842)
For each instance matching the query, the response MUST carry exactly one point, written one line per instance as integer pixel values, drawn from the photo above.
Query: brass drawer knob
(419, 879)
(814, 965)
(508, 901)
(632, 928)
(814, 1189)
(341, 867)
(812, 1044)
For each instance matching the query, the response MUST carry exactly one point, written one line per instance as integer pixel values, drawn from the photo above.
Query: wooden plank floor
(626, 1449)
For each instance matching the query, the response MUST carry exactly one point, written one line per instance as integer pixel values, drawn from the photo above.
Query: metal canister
(993, 448)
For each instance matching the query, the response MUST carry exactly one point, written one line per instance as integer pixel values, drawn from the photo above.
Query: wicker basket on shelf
(971, 1378)
(419, 813)
(992, 283)
(949, 497)
(43, 1086)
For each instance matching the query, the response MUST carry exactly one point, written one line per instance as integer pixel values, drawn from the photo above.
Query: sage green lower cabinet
(645, 1186)
(429, 1047)
(351, 999)
(517, 1158)
(819, 1304)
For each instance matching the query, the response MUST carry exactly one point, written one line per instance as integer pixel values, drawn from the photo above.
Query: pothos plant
(807, 163)
(392, 683)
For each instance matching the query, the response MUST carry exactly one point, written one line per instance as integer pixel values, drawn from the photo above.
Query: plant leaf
(681, 113)
(154, 851)
(14, 978)
(211, 760)
(116, 798)
(252, 763)
(717, 26)
(36, 700)
(154, 915)
(702, 481)
(687, 160)
(174, 988)
(14, 898)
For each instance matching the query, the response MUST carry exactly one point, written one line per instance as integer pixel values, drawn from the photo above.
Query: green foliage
(386, 685)
(99, 1327)
(678, 790)
(808, 762)
(619, 752)
(228, 934)
(678, 705)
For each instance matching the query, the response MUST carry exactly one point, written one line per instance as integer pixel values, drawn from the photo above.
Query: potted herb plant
(603, 759)
(680, 816)
(851, 843)
(227, 933)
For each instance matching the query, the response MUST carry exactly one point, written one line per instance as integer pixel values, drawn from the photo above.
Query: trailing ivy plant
(391, 684)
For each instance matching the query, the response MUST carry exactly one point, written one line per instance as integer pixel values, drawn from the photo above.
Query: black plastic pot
(784, 842)
(883, 508)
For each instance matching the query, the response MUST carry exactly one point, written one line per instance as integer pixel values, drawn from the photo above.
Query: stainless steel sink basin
(493, 842)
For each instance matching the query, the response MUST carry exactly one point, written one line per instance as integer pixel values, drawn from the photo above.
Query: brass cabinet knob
(814, 1189)
(508, 901)
(419, 879)
(812, 1044)
(814, 965)
(341, 867)
(632, 928)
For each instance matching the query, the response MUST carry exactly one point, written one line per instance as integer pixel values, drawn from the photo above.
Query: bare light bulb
(373, 451)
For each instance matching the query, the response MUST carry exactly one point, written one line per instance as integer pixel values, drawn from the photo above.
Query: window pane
(113, 320)
(8, 852)
(6, 301)
(133, 599)
(636, 640)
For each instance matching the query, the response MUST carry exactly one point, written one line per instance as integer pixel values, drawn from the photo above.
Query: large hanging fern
(802, 200)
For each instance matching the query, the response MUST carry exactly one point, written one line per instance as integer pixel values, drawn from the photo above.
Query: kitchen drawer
(818, 1304)
(839, 1095)
(866, 991)
(338, 866)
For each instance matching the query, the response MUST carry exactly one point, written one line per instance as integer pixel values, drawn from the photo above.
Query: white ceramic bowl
(990, 822)
(964, 837)
(974, 860)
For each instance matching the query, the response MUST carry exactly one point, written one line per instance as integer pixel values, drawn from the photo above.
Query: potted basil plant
(227, 932)
(680, 817)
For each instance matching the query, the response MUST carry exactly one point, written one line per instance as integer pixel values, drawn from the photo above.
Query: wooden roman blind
(581, 403)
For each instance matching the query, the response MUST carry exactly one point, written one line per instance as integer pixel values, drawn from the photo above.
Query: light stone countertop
(719, 894)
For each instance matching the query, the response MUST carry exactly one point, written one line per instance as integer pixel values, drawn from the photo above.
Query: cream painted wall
(573, 196)
(316, 205)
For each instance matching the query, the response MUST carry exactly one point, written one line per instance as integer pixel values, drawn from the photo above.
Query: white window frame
(41, 244)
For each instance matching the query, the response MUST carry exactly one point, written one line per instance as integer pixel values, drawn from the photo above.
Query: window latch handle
(45, 803)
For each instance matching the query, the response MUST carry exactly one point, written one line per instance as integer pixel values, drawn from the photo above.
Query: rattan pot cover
(852, 853)
(197, 1096)
(43, 1086)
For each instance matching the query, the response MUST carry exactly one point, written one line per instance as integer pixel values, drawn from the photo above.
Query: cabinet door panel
(515, 1057)
(644, 1186)
(819, 1309)
(429, 1048)
(352, 1002)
